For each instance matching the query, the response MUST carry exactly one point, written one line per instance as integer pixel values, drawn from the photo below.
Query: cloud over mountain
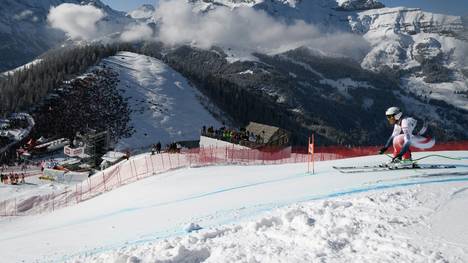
(249, 29)
(79, 22)
(88, 22)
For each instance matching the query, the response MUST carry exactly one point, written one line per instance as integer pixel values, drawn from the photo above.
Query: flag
(311, 145)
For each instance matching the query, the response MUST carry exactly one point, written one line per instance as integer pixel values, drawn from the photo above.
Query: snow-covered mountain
(424, 53)
(25, 32)
(163, 106)
(425, 50)
(143, 12)
(406, 56)
(338, 4)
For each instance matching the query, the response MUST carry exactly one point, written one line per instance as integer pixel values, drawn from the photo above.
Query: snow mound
(192, 227)
(387, 226)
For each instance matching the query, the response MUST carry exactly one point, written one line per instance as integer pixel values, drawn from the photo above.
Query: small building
(254, 136)
(270, 135)
(111, 158)
(92, 146)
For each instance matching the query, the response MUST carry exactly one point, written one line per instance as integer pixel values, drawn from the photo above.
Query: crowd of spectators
(241, 136)
(89, 102)
(12, 178)
(16, 173)
(170, 148)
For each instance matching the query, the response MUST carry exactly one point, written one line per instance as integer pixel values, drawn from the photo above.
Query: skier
(402, 137)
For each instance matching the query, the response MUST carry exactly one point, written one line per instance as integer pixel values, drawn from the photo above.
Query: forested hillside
(296, 90)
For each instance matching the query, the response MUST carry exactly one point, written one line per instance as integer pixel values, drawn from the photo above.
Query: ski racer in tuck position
(402, 137)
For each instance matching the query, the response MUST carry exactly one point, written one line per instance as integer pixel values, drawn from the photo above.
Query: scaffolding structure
(96, 144)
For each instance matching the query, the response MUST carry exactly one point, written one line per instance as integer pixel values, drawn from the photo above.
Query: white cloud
(23, 15)
(79, 22)
(248, 29)
(137, 32)
(26, 15)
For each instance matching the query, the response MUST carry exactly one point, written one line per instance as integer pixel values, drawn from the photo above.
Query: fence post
(104, 180)
(211, 154)
(162, 160)
(170, 163)
(118, 175)
(232, 154)
(152, 164)
(190, 158)
(134, 169)
(146, 162)
(89, 183)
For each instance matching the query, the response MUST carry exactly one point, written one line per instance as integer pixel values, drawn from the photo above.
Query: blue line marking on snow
(132, 209)
(264, 208)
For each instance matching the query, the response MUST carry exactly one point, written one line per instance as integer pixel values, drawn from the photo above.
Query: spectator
(252, 137)
(179, 147)
(158, 147)
(211, 131)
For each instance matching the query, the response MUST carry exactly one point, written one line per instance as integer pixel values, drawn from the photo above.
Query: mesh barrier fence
(145, 165)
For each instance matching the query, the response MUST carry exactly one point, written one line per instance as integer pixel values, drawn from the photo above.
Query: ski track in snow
(255, 211)
(223, 184)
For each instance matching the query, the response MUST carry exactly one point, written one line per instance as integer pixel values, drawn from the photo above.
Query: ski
(360, 167)
(386, 167)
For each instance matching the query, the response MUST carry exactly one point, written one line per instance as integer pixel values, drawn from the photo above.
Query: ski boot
(401, 164)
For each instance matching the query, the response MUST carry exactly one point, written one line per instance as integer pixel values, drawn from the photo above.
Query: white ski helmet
(394, 111)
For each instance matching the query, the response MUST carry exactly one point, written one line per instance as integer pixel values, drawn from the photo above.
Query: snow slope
(164, 107)
(417, 218)
(26, 66)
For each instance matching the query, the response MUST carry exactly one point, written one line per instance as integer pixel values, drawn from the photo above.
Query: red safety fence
(145, 165)
(341, 152)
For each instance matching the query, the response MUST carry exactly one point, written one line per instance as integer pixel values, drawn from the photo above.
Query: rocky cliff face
(353, 5)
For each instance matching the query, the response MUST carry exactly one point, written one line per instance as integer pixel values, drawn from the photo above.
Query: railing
(145, 165)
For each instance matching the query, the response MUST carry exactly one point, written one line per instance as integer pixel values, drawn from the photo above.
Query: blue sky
(455, 7)
(127, 5)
